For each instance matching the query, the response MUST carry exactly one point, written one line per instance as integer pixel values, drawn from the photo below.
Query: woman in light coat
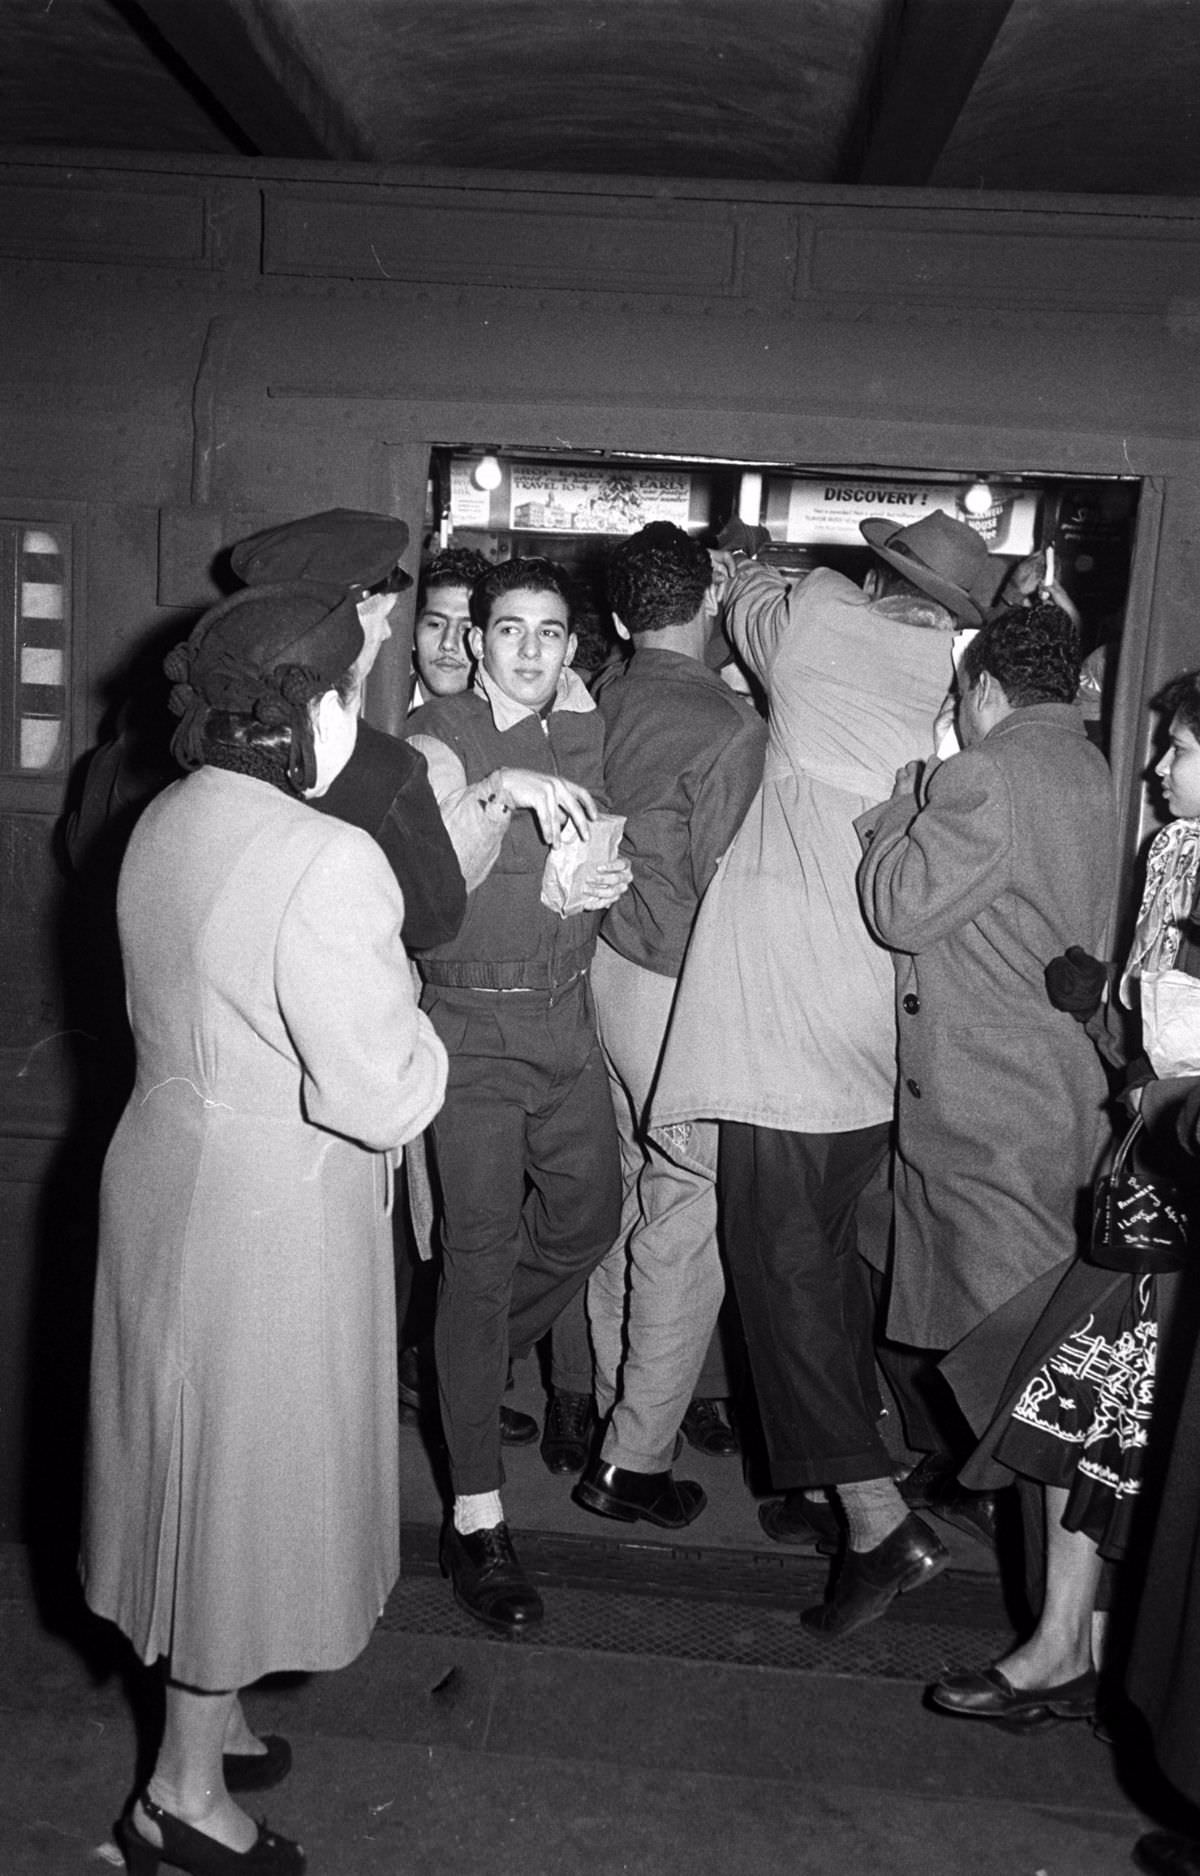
(242, 1482)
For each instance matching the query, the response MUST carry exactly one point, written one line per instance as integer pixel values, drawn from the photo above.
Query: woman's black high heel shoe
(190, 1850)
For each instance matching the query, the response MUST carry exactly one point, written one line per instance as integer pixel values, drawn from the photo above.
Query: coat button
(911, 1004)
(914, 1088)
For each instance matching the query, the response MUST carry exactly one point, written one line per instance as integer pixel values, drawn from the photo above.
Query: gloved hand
(1075, 982)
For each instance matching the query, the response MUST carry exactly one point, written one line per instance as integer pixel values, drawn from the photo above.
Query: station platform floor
(669, 1718)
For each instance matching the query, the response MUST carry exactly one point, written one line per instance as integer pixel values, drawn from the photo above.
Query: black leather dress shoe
(706, 1427)
(933, 1486)
(658, 1497)
(517, 1429)
(488, 1581)
(1167, 1853)
(569, 1432)
(258, 1771)
(868, 1580)
(804, 1522)
(988, 1694)
(932, 1478)
(973, 1512)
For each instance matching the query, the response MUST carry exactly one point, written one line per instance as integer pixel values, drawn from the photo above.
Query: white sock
(477, 1511)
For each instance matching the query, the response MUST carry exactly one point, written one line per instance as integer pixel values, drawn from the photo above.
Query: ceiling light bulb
(487, 473)
(978, 498)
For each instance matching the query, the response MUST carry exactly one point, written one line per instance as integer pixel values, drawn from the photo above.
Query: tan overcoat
(242, 1510)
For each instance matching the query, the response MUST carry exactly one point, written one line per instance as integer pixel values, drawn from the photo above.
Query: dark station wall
(189, 350)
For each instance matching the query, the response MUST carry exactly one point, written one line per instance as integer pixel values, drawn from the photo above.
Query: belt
(528, 975)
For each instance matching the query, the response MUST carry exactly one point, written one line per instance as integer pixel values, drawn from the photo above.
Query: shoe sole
(608, 1507)
(512, 1631)
(1036, 1717)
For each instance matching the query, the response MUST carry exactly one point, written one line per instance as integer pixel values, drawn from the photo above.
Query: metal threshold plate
(737, 1608)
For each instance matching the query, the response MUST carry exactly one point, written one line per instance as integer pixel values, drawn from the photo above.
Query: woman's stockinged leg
(1060, 1648)
(239, 1735)
(188, 1778)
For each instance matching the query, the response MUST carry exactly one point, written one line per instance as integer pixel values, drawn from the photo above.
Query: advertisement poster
(470, 506)
(546, 499)
(828, 511)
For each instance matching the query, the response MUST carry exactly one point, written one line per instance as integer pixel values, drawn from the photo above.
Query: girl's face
(1179, 772)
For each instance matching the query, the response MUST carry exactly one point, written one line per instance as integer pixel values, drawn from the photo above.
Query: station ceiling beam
(247, 56)
(931, 53)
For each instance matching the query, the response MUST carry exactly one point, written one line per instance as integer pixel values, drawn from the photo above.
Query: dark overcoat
(1164, 1667)
(1005, 859)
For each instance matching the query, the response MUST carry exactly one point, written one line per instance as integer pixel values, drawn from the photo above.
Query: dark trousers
(527, 1161)
(788, 1217)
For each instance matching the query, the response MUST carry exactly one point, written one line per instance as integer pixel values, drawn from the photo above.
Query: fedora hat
(347, 547)
(944, 557)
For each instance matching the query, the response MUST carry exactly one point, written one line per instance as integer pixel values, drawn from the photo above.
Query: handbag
(1139, 1221)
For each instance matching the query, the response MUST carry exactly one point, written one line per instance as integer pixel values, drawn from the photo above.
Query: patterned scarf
(1172, 868)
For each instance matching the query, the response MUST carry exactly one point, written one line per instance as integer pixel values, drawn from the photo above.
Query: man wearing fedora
(784, 1031)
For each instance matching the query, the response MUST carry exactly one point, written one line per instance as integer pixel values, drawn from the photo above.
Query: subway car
(196, 348)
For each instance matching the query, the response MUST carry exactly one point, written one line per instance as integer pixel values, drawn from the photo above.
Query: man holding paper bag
(526, 1147)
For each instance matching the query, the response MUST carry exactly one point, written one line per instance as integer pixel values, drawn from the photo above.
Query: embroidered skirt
(1082, 1419)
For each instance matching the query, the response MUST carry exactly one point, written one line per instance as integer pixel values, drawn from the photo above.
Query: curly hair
(454, 566)
(531, 574)
(1181, 698)
(658, 578)
(1031, 651)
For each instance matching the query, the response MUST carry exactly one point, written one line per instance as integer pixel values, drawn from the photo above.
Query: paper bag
(570, 867)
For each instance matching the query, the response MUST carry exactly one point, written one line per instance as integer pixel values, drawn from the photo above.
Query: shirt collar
(572, 694)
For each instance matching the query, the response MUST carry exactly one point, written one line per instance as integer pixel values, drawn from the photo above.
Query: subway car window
(1069, 537)
(35, 583)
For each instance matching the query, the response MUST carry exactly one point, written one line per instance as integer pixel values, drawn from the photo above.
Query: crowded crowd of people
(771, 956)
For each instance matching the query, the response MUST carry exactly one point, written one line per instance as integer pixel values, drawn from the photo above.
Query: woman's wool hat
(944, 557)
(263, 653)
(346, 547)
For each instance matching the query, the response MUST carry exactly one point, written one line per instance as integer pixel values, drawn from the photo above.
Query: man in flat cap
(384, 788)
(783, 1027)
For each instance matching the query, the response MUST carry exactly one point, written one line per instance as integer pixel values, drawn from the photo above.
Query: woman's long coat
(1009, 859)
(242, 1507)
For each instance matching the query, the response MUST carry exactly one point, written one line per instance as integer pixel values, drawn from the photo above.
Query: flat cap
(346, 547)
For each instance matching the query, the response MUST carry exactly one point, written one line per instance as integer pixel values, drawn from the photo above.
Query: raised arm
(755, 607)
(936, 860)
